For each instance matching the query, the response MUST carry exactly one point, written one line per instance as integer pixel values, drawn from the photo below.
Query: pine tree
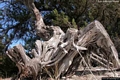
(71, 13)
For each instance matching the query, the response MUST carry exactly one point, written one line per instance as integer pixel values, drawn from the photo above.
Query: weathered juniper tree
(61, 53)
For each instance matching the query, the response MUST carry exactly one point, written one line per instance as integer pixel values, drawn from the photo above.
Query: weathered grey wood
(66, 62)
(20, 50)
(109, 43)
(99, 61)
(101, 58)
(55, 54)
(95, 33)
(34, 53)
(38, 45)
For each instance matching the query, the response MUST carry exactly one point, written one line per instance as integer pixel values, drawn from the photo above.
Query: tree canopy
(17, 22)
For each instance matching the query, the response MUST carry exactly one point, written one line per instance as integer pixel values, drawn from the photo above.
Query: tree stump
(59, 51)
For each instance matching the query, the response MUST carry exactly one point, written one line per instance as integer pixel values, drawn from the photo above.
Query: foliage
(7, 68)
(1, 49)
(84, 12)
(18, 22)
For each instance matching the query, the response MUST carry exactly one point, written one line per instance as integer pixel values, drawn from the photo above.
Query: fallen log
(56, 55)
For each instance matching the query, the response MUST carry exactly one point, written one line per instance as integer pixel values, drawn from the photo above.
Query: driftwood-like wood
(59, 51)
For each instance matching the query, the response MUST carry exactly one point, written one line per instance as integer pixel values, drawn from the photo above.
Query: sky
(14, 42)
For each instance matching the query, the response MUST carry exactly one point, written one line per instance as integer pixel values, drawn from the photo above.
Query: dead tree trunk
(56, 54)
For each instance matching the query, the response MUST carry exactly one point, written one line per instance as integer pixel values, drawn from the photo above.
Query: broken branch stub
(56, 55)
